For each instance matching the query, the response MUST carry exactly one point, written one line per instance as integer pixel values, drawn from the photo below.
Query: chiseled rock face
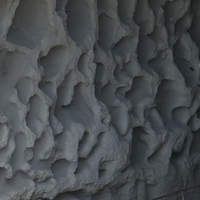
(99, 99)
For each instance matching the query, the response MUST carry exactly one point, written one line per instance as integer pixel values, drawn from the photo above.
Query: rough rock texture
(99, 99)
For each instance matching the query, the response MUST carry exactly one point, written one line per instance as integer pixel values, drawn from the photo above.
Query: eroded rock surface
(99, 99)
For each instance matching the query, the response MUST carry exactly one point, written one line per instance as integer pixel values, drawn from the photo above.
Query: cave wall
(99, 99)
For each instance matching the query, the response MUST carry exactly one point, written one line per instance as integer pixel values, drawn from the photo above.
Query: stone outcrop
(99, 99)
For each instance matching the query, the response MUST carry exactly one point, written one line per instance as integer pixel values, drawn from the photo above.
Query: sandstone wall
(99, 99)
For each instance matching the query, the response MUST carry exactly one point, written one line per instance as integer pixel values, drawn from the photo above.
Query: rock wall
(99, 99)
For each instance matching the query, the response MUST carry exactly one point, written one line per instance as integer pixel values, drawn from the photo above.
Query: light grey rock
(99, 99)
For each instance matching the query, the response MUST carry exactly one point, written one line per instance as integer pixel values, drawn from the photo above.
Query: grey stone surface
(99, 99)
